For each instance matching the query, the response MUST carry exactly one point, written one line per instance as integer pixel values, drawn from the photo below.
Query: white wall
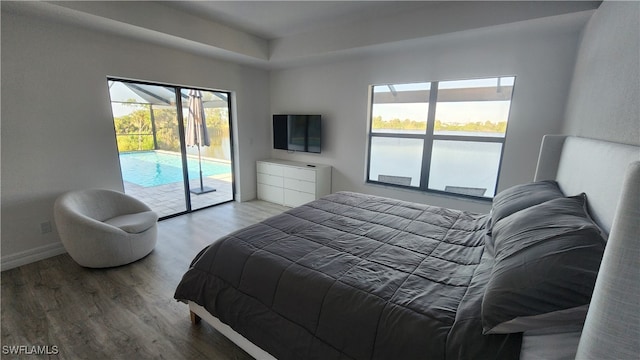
(57, 129)
(540, 54)
(604, 101)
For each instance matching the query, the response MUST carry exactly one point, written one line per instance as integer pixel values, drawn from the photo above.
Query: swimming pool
(152, 168)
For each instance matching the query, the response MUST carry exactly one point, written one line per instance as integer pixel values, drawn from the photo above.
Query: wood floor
(126, 312)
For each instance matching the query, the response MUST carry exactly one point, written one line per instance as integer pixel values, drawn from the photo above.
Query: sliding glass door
(207, 128)
(174, 145)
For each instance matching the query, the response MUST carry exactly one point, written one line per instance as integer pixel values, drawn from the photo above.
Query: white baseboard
(31, 255)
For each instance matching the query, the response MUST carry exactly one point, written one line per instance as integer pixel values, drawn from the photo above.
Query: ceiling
(280, 34)
(277, 19)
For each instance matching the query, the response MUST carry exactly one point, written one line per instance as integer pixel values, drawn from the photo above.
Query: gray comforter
(354, 276)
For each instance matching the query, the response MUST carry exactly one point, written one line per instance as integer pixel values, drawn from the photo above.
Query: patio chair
(104, 228)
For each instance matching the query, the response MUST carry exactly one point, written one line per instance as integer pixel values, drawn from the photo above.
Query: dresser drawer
(270, 180)
(271, 193)
(295, 198)
(300, 174)
(299, 185)
(270, 169)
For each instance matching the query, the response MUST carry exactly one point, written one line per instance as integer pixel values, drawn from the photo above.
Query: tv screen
(297, 133)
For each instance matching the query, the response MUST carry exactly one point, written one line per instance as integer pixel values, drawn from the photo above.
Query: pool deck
(169, 199)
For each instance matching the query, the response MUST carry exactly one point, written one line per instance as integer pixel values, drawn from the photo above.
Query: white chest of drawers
(292, 183)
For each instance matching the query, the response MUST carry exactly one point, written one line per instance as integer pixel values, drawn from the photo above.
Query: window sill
(436, 193)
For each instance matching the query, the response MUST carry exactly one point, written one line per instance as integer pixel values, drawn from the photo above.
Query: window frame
(179, 103)
(429, 137)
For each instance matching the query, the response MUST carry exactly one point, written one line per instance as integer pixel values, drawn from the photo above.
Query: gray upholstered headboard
(594, 167)
(609, 174)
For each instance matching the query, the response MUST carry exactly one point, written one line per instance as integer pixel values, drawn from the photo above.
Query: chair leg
(195, 319)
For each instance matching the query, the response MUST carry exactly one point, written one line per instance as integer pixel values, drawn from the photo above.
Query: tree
(133, 131)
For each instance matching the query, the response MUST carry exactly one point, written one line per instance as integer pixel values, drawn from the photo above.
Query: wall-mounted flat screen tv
(297, 132)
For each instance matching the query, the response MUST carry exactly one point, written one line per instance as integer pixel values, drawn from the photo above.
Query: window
(174, 145)
(443, 136)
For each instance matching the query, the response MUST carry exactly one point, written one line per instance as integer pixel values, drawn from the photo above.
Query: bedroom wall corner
(57, 126)
(540, 55)
(603, 100)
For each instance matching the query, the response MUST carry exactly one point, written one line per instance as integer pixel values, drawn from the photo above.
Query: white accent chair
(105, 228)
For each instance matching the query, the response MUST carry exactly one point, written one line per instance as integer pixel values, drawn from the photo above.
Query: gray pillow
(546, 262)
(522, 196)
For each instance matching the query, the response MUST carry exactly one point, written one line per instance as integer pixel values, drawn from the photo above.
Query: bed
(355, 276)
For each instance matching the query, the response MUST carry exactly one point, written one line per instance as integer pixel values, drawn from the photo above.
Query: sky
(118, 93)
(451, 112)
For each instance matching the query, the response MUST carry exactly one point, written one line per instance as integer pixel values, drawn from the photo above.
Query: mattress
(354, 276)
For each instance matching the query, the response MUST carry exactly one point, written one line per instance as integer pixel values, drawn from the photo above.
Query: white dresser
(292, 183)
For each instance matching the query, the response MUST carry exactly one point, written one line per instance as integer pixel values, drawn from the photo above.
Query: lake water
(454, 163)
